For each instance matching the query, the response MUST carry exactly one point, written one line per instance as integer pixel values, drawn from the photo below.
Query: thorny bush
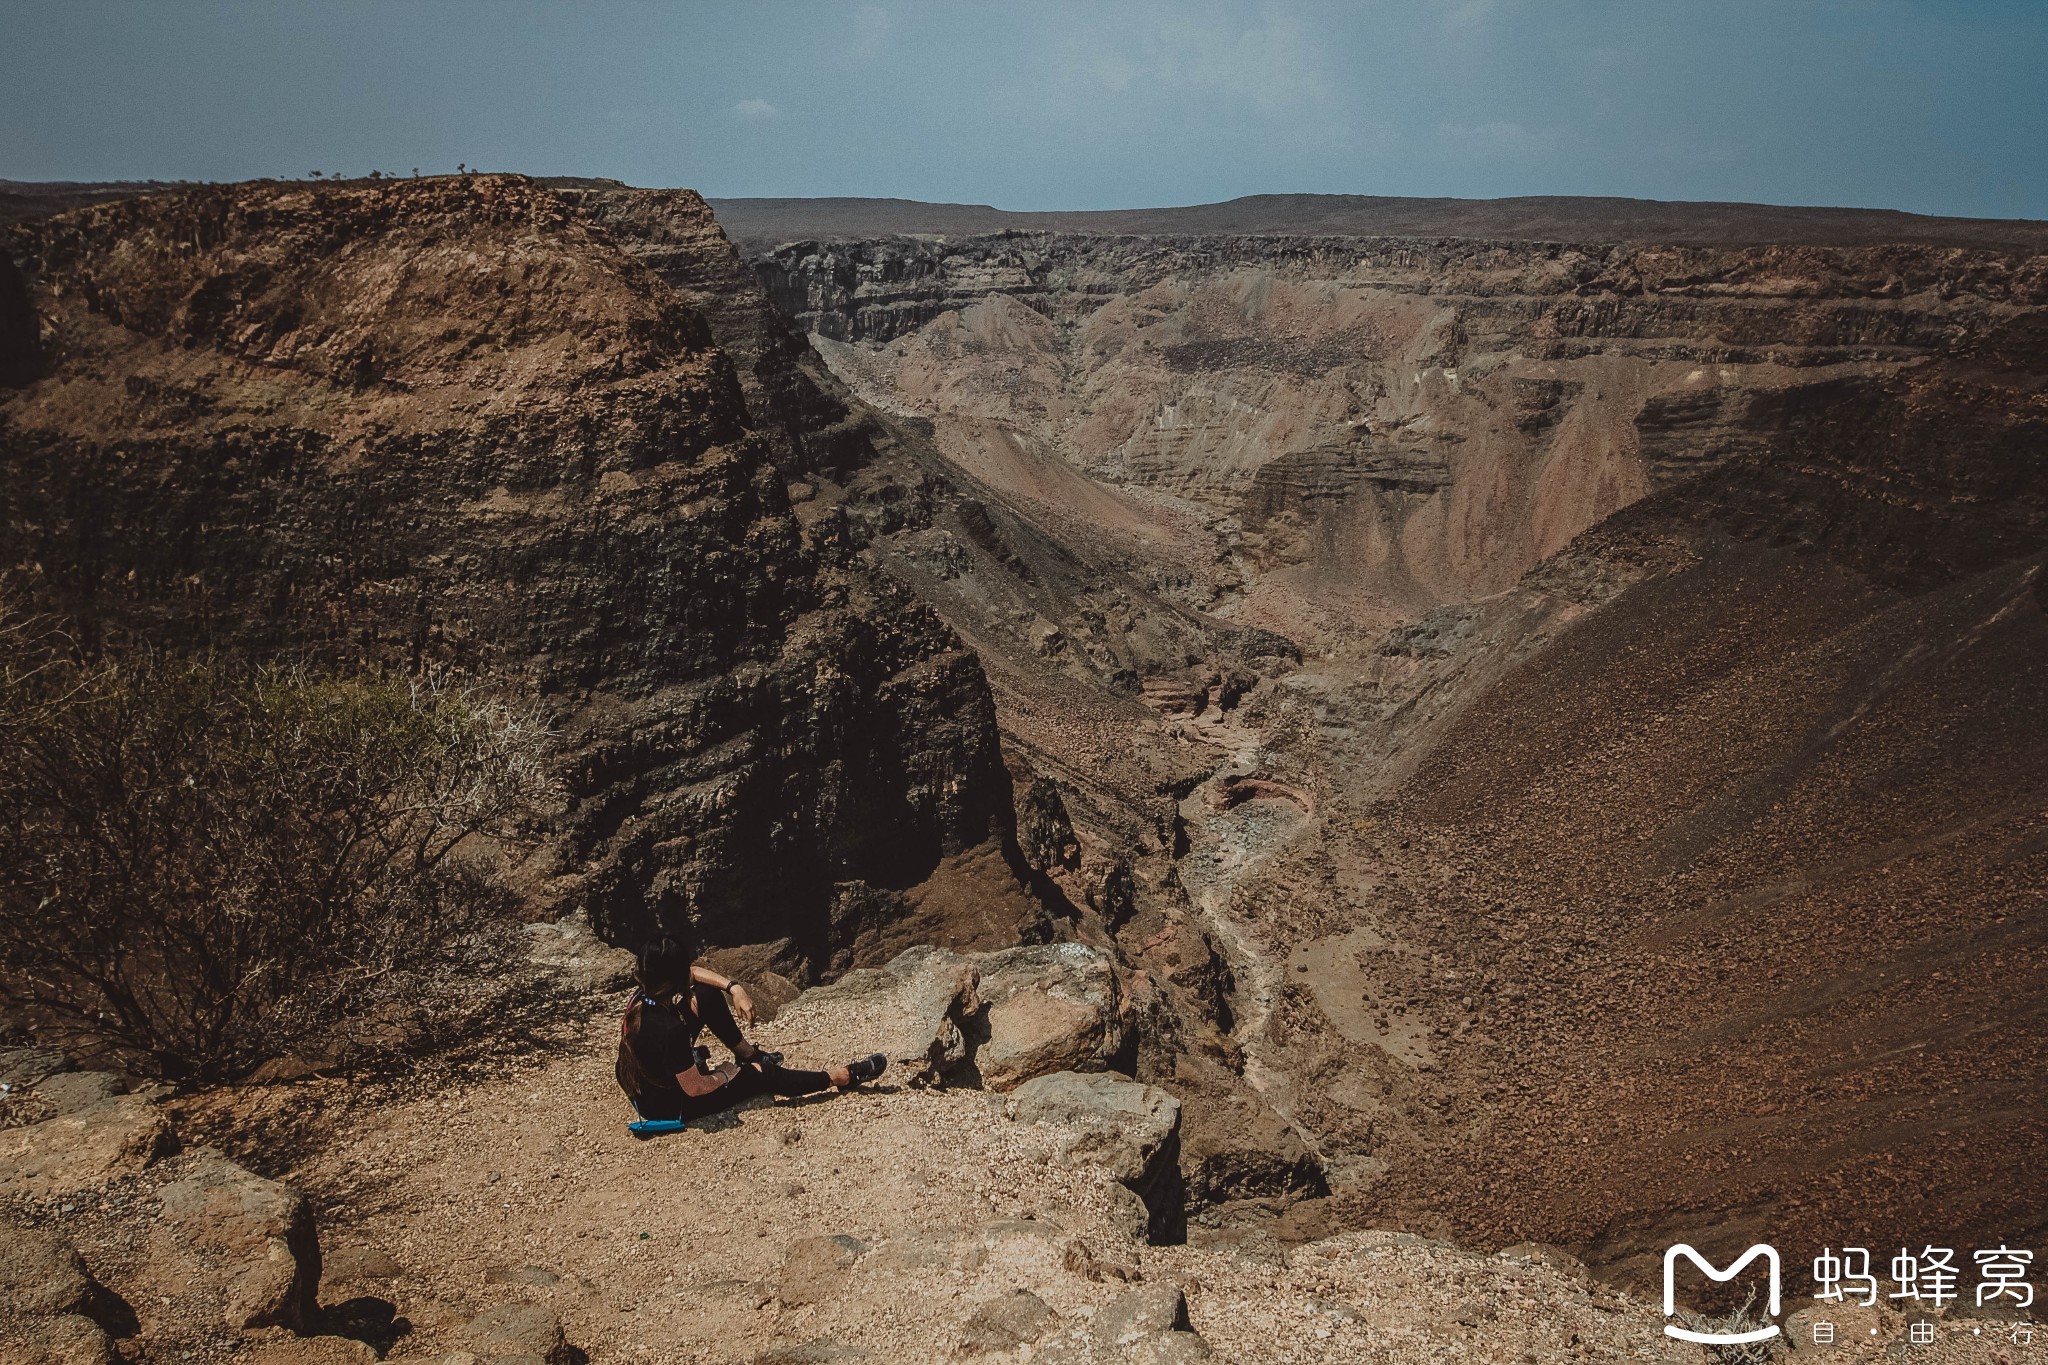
(204, 863)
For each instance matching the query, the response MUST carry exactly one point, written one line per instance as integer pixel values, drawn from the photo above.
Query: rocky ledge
(509, 1218)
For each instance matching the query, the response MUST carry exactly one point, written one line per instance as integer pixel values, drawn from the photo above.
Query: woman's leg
(756, 1079)
(714, 1011)
(782, 1080)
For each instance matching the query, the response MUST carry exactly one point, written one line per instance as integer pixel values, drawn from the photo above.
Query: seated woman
(667, 1076)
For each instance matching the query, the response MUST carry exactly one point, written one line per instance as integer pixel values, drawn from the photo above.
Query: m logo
(1730, 1338)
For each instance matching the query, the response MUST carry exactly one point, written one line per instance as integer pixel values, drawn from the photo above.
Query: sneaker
(866, 1069)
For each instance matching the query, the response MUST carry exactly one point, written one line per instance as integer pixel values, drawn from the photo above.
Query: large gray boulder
(1129, 1128)
(939, 1016)
(1048, 1007)
(1148, 1323)
(914, 1011)
(41, 1274)
(229, 1233)
(72, 1092)
(516, 1334)
(567, 949)
(101, 1142)
(1018, 1318)
(23, 1066)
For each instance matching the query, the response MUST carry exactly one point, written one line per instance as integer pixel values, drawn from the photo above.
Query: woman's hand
(742, 1003)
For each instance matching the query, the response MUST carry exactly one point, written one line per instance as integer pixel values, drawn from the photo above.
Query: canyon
(1541, 707)
(1638, 827)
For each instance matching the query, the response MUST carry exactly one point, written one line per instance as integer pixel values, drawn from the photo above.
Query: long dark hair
(664, 966)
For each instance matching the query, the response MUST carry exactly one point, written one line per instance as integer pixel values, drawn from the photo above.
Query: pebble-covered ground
(691, 1248)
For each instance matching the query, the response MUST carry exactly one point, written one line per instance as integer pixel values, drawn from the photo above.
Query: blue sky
(1932, 107)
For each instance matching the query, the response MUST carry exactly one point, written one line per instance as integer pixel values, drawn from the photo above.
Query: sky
(1040, 104)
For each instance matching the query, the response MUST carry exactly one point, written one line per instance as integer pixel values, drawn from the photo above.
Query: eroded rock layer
(1643, 844)
(449, 426)
(1366, 428)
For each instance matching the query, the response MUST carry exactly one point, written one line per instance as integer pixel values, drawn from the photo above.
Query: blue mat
(647, 1128)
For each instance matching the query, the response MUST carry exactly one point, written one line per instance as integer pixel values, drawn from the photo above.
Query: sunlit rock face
(450, 427)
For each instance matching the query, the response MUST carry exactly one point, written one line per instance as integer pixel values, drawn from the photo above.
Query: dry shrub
(204, 863)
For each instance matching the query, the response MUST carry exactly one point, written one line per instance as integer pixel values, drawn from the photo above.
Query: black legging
(710, 1006)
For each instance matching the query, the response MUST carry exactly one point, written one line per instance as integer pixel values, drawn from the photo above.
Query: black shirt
(655, 1042)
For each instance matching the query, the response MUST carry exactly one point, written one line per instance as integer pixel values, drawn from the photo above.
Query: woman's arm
(742, 1003)
(696, 1080)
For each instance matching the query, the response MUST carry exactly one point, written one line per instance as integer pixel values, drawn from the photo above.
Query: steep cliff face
(450, 425)
(795, 403)
(1031, 583)
(1393, 424)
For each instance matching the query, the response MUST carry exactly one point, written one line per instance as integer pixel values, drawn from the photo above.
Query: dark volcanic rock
(448, 426)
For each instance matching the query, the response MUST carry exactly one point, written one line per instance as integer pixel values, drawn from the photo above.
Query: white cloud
(1272, 63)
(870, 30)
(756, 111)
(1463, 17)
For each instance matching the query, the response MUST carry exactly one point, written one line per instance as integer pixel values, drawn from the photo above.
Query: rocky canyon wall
(1645, 828)
(449, 427)
(1385, 424)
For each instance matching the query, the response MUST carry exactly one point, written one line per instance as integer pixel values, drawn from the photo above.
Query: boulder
(67, 1339)
(1141, 1311)
(41, 1274)
(1234, 1145)
(927, 1253)
(516, 1334)
(1147, 1323)
(23, 1066)
(115, 1137)
(577, 957)
(1125, 1126)
(282, 1348)
(815, 1268)
(1016, 1319)
(1049, 1007)
(1166, 1348)
(1004, 1016)
(770, 991)
(247, 1239)
(71, 1092)
(913, 1011)
(1104, 1119)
